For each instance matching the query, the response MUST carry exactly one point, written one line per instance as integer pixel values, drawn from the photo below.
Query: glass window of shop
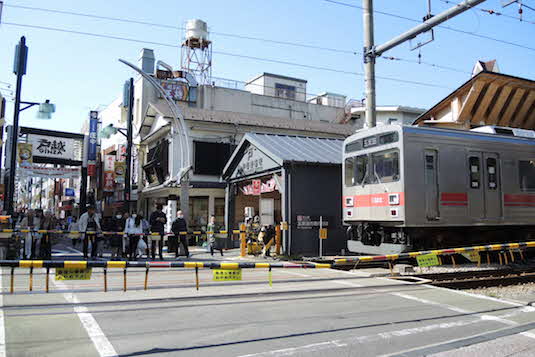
(198, 208)
(219, 211)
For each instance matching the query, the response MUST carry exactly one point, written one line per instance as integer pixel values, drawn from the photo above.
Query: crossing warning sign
(222, 274)
(73, 274)
(427, 260)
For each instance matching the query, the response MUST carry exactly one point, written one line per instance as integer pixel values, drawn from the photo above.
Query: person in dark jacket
(157, 222)
(179, 226)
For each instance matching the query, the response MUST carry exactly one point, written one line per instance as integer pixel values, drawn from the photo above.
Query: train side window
(526, 173)
(492, 173)
(475, 168)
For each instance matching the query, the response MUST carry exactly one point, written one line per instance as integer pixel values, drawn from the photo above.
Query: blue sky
(79, 73)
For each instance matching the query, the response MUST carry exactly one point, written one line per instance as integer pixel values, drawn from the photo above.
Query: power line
(493, 12)
(262, 59)
(439, 26)
(287, 43)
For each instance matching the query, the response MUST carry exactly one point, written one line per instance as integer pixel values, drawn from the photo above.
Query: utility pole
(19, 68)
(371, 52)
(129, 96)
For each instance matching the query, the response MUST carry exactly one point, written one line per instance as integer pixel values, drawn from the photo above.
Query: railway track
(513, 275)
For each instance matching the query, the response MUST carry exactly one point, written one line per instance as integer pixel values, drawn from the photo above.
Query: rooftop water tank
(196, 30)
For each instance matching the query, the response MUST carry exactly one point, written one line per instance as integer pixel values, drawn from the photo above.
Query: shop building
(293, 180)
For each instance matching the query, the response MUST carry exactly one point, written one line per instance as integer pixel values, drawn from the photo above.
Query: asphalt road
(305, 313)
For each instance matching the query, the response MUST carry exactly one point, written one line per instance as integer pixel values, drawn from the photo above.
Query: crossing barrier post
(146, 278)
(512, 255)
(47, 279)
(31, 278)
(243, 243)
(12, 281)
(277, 239)
(124, 279)
(270, 277)
(105, 279)
(197, 277)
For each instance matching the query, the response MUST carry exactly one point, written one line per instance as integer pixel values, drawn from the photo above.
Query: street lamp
(45, 112)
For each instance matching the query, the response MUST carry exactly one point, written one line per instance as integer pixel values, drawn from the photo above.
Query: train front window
(526, 173)
(355, 170)
(385, 166)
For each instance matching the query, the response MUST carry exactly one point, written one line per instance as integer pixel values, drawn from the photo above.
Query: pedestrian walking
(180, 230)
(48, 224)
(157, 225)
(73, 227)
(32, 222)
(134, 230)
(211, 230)
(116, 240)
(89, 224)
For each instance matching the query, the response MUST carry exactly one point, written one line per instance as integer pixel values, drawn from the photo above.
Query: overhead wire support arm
(427, 25)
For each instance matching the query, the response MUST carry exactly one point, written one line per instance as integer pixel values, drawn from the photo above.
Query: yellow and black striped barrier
(449, 251)
(81, 266)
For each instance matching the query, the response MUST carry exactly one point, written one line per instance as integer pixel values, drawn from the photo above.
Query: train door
(476, 195)
(485, 196)
(492, 188)
(431, 184)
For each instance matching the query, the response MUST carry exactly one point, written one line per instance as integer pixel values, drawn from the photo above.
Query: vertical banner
(120, 170)
(92, 147)
(109, 167)
(257, 187)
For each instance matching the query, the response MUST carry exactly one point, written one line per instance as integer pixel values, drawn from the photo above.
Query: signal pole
(371, 52)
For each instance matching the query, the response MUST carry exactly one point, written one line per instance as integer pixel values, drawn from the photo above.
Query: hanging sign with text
(52, 146)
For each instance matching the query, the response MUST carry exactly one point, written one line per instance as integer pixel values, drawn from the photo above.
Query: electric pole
(371, 52)
(129, 96)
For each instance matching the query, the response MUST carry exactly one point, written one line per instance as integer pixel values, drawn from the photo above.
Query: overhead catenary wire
(223, 53)
(469, 33)
(494, 12)
(246, 37)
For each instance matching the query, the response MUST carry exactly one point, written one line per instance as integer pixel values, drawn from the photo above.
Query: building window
(219, 211)
(157, 166)
(284, 91)
(211, 158)
(198, 208)
(526, 173)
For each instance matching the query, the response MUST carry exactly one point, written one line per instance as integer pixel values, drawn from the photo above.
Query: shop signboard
(52, 147)
(69, 192)
(176, 90)
(253, 161)
(108, 181)
(92, 145)
(257, 187)
(25, 154)
(119, 171)
(109, 162)
(265, 187)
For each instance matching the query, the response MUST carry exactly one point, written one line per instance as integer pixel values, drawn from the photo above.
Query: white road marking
(429, 302)
(484, 297)
(347, 283)
(2, 320)
(362, 339)
(101, 342)
(294, 273)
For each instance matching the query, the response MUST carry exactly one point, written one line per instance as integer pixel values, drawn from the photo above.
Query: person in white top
(134, 230)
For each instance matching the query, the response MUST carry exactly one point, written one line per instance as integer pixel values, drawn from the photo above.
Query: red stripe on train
(454, 204)
(519, 198)
(448, 196)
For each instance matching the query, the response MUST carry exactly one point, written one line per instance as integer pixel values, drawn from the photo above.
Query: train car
(408, 188)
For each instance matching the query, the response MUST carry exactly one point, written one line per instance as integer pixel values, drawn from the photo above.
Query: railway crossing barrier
(79, 267)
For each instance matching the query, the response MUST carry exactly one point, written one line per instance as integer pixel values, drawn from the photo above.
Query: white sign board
(52, 146)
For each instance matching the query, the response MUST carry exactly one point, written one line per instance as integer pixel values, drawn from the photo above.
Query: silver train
(407, 188)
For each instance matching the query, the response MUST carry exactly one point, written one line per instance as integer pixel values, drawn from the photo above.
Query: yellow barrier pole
(278, 240)
(453, 261)
(505, 256)
(105, 279)
(31, 278)
(243, 246)
(512, 255)
(12, 281)
(521, 254)
(146, 278)
(47, 279)
(488, 258)
(500, 256)
(270, 277)
(197, 277)
(124, 279)
(439, 260)
(391, 270)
